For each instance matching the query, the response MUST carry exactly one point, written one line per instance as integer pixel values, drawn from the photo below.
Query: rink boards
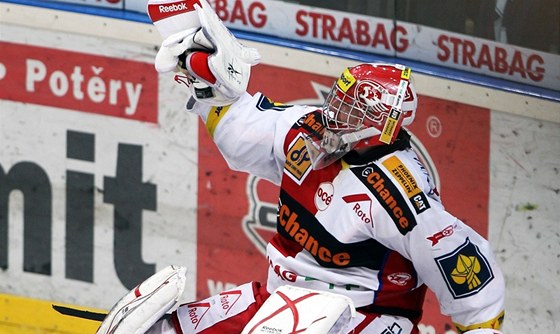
(88, 122)
(21, 315)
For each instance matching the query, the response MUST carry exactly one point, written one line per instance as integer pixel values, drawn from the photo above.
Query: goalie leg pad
(292, 309)
(139, 309)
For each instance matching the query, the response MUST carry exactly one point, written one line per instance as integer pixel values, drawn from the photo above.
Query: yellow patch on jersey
(408, 183)
(495, 323)
(298, 163)
(402, 175)
(214, 117)
(466, 270)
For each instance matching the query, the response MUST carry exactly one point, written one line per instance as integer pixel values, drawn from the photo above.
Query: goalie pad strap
(410, 314)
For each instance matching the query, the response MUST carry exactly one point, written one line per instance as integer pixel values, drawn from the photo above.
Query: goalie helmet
(366, 106)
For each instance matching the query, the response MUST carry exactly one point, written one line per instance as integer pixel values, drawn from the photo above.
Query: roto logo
(324, 195)
(228, 299)
(197, 311)
(364, 216)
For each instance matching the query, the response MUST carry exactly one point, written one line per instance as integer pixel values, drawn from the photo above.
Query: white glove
(216, 66)
(231, 61)
(167, 58)
(188, 52)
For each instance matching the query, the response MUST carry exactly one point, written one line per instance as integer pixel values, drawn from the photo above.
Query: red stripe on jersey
(285, 246)
(397, 289)
(356, 198)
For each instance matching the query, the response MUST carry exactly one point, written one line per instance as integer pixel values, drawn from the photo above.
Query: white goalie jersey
(370, 227)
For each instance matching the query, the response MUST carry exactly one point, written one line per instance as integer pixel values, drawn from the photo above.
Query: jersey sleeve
(250, 133)
(451, 258)
(458, 265)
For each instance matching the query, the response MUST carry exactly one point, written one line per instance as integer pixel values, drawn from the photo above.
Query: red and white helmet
(367, 106)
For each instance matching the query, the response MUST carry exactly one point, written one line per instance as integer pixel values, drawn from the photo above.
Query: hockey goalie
(353, 273)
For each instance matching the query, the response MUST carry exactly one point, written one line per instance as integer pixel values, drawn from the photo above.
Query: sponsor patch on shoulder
(408, 184)
(298, 163)
(465, 270)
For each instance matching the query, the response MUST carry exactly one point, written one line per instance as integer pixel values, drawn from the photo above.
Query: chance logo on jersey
(465, 270)
(387, 195)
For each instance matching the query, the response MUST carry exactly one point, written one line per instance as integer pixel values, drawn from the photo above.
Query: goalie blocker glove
(217, 67)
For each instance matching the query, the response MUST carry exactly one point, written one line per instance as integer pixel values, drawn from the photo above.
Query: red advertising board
(78, 81)
(236, 212)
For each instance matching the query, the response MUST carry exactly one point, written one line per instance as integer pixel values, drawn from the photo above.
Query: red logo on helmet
(371, 93)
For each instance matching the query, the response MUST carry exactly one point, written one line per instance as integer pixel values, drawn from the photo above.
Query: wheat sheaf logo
(466, 270)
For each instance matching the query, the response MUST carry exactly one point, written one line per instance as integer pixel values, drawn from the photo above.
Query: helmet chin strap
(333, 142)
(332, 146)
(349, 138)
